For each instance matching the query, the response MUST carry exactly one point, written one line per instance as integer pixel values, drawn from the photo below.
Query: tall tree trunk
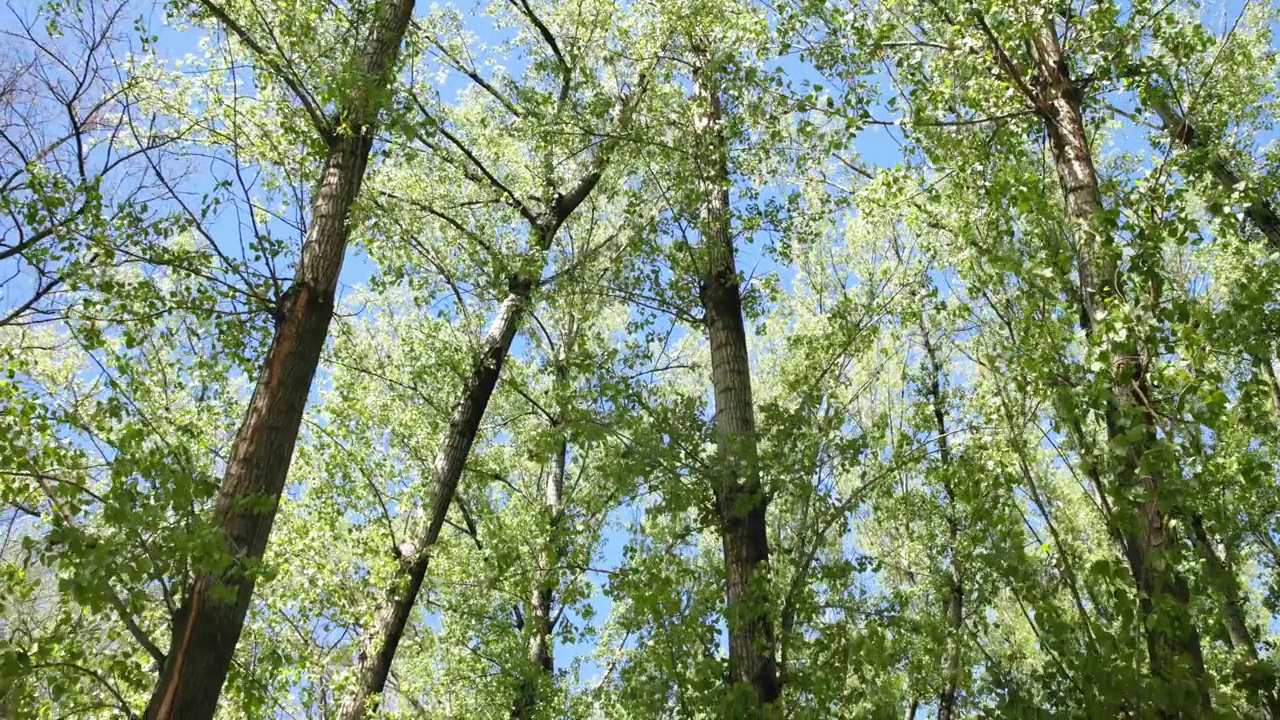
(741, 501)
(208, 623)
(1264, 217)
(1226, 584)
(1222, 578)
(1269, 371)
(1267, 221)
(1173, 643)
(381, 641)
(955, 598)
(1260, 211)
(539, 618)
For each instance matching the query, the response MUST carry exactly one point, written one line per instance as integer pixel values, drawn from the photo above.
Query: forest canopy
(639, 359)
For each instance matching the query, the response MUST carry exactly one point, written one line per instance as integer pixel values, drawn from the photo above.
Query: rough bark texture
(741, 500)
(1173, 643)
(207, 625)
(382, 640)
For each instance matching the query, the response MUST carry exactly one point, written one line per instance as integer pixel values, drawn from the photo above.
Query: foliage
(950, 518)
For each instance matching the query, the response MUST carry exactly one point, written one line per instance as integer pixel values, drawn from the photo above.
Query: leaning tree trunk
(740, 498)
(209, 621)
(1222, 579)
(1264, 217)
(1259, 211)
(1173, 643)
(1273, 383)
(382, 640)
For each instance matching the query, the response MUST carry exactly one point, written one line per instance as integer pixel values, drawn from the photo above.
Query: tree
(740, 499)
(209, 620)
(543, 220)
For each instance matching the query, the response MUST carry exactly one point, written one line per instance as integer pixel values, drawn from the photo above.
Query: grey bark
(740, 498)
(1226, 583)
(1228, 586)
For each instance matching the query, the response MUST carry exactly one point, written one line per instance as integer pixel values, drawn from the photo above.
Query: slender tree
(1173, 642)
(383, 638)
(741, 501)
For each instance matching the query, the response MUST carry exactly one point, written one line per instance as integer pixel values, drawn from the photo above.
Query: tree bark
(955, 599)
(1259, 211)
(1173, 642)
(741, 501)
(208, 624)
(538, 618)
(382, 640)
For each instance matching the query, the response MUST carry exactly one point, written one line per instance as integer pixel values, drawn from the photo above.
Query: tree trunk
(208, 624)
(1264, 217)
(1269, 371)
(955, 599)
(740, 498)
(382, 640)
(538, 618)
(1259, 211)
(1173, 643)
(1224, 581)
